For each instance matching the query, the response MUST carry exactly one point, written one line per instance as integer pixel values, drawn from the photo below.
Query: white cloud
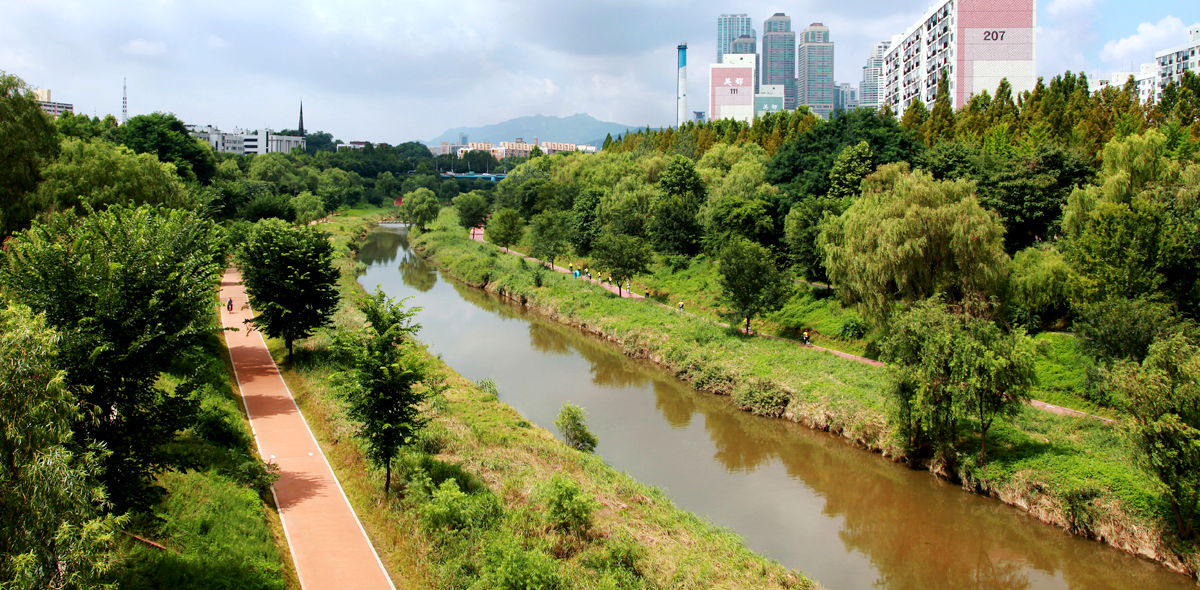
(1141, 46)
(1069, 8)
(1062, 41)
(145, 48)
(215, 42)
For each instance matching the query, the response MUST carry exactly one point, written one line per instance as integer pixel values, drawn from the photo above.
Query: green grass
(503, 465)
(1062, 374)
(1041, 461)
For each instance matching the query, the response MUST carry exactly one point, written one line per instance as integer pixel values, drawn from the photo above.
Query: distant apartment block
(730, 27)
(246, 141)
(779, 57)
(814, 70)
(845, 97)
(53, 108)
(731, 87)
(870, 90)
(1146, 81)
(976, 42)
(354, 145)
(1173, 62)
(221, 142)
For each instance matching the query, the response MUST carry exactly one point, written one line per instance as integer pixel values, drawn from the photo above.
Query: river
(808, 499)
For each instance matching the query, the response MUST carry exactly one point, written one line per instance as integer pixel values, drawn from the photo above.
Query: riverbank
(1074, 473)
(504, 466)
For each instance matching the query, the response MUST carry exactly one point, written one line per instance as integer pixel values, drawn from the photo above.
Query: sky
(394, 71)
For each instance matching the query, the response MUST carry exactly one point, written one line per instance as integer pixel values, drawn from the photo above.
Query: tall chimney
(681, 92)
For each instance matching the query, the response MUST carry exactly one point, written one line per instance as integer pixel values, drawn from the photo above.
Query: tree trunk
(288, 341)
(387, 479)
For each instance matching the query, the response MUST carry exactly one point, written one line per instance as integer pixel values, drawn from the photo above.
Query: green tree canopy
(165, 136)
(472, 209)
(585, 227)
(750, 283)
(622, 255)
(549, 235)
(675, 228)
(803, 223)
(50, 534)
(131, 291)
(28, 141)
(308, 207)
(96, 174)
(506, 228)
(910, 237)
(419, 208)
(289, 274)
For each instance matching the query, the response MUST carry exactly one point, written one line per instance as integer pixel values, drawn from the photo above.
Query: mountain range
(580, 128)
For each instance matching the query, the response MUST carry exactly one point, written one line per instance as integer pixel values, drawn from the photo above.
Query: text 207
(993, 35)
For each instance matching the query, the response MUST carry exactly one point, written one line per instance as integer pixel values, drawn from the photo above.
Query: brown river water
(844, 516)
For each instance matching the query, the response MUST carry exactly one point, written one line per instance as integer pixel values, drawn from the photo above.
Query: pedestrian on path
(229, 305)
(680, 305)
(806, 342)
(747, 326)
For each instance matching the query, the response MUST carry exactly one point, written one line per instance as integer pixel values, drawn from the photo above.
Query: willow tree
(910, 237)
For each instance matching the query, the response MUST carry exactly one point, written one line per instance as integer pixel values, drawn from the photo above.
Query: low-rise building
(53, 108)
(246, 141)
(770, 100)
(221, 142)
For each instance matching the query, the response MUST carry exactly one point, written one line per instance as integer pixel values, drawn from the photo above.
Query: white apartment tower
(870, 91)
(1173, 62)
(814, 70)
(977, 43)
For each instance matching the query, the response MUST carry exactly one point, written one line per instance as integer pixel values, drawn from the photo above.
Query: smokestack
(681, 93)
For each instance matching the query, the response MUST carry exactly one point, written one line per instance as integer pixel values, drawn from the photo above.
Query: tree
(382, 387)
(50, 534)
(549, 234)
(675, 228)
(750, 283)
(96, 174)
(472, 209)
(319, 141)
(387, 185)
(165, 136)
(803, 223)
(909, 237)
(308, 207)
(573, 426)
(584, 226)
(506, 228)
(289, 274)
(940, 126)
(915, 116)
(28, 141)
(536, 152)
(1162, 397)
(131, 292)
(419, 208)
(623, 256)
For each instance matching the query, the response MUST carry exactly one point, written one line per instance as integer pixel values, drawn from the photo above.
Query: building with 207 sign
(977, 43)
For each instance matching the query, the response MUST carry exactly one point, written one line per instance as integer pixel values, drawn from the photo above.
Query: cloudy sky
(394, 71)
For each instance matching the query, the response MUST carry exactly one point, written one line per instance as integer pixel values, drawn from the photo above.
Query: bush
(761, 397)
(449, 508)
(567, 507)
(573, 426)
(1123, 329)
(488, 385)
(853, 327)
(511, 567)
(267, 206)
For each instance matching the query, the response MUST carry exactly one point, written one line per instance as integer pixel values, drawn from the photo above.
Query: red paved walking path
(329, 546)
(477, 235)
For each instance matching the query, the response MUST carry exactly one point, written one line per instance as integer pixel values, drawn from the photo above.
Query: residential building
(977, 43)
(870, 91)
(731, 87)
(354, 145)
(814, 70)
(219, 141)
(53, 108)
(845, 97)
(748, 44)
(770, 100)
(266, 141)
(699, 116)
(1173, 62)
(729, 28)
(779, 57)
(516, 148)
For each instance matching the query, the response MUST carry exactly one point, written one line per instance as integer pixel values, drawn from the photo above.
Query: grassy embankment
(217, 520)
(495, 516)
(1079, 474)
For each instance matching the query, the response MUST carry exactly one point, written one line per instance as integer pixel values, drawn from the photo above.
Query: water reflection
(808, 499)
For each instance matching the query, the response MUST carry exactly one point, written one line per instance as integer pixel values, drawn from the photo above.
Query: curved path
(329, 545)
(477, 235)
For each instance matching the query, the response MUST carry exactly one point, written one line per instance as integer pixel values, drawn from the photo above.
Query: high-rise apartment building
(1173, 62)
(731, 87)
(748, 44)
(779, 56)
(729, 28)
(845, 97)
(814, 65)
(977, 43)
(870, 91)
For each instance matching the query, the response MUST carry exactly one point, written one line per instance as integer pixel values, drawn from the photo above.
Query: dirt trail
(328, 544)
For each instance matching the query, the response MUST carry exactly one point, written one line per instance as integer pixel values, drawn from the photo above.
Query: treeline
(955, 233)
(116, 410)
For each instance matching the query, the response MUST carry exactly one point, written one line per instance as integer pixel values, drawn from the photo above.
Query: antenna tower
(124, 101)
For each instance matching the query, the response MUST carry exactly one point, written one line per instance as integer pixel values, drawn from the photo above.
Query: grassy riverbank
(504, 472)
(1075, 473)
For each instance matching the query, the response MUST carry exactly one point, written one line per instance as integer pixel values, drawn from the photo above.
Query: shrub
(449, 508)
(762, 397)
(567, 507)
(488, 385)
(853, 327)
(511, 567)
(573, 426)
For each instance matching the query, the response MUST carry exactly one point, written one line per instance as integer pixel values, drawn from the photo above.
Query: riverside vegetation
(483, 498)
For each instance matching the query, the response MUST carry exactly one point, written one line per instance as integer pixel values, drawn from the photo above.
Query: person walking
(806, 342)
(680, 305)
(229, 306)
(747, 326)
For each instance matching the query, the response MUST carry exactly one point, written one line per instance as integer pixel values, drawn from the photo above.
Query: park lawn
(1064, 470)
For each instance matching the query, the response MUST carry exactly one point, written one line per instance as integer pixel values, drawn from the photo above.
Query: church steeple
(301, 128)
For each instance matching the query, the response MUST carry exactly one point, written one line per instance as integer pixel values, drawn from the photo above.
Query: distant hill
(580, 128)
